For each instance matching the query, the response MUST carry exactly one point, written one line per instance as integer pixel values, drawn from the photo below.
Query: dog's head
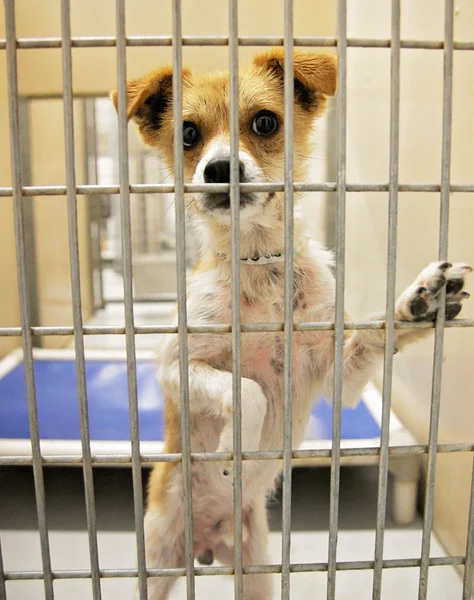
(206, 135)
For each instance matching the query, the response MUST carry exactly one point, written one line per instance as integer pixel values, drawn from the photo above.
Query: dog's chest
(262, 353)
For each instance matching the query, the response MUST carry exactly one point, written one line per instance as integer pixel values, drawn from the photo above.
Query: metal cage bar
(190, 40)
(128, 296)
(235, 285)
(341, 110)
(441, 317)
(314, 567)
(288, 296)
(76, 297)
(227, 327)
(390, 298)
(29, 215)
(21, 259)
(469, 564)
(120, 459)
(157, 188)
(181, 284)
(95, 203)
(3, 589)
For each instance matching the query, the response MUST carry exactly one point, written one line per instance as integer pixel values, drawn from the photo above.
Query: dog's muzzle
(219, 201)
(217, 170)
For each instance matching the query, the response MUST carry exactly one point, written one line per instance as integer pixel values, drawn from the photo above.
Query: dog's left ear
(314, 74)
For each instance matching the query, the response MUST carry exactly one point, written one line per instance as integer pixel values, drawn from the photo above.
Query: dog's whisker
(310, 157)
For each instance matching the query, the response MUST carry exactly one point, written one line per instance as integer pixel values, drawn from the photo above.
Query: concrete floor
(114, 506)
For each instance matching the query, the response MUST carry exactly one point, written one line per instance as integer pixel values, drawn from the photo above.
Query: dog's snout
(217, 170)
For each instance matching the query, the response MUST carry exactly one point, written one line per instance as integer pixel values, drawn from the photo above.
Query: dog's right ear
(149, 96)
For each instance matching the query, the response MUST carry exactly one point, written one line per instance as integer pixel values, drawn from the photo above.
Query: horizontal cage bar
(223, 328)
(116, 459)
(163, 40)
(360, 565)
(159, 188)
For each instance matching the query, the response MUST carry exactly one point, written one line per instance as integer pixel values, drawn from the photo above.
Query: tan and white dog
(206, 160)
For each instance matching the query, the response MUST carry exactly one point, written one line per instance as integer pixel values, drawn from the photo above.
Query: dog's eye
(265, 123)
(191, 135)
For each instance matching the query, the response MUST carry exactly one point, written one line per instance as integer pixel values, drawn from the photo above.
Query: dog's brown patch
(160, 476)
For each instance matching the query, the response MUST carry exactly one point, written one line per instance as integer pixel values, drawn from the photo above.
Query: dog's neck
(260, 237)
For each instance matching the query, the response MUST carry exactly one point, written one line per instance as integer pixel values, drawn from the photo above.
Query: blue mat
(58, 414)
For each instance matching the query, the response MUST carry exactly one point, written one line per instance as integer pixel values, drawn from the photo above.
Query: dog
(206, 140)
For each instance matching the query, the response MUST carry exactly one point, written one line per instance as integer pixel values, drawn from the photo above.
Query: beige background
(94, 71)
(420, 161)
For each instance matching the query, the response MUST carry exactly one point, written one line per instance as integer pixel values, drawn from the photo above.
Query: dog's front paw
(420, 302)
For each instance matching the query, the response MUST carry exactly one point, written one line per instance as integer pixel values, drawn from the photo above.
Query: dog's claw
(445, 265)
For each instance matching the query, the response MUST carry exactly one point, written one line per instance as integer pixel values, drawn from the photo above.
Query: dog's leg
(254, 408)
(164, 541)
(210, 392)
(419, 302)
(254, 552)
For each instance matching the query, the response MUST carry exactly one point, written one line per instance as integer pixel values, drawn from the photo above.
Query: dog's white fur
(262, 356)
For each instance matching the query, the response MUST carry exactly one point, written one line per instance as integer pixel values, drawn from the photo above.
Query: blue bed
(58, 415)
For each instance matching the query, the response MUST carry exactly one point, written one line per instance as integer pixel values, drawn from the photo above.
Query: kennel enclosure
(341, 187)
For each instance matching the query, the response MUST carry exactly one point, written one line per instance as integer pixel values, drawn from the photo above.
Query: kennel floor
(117, 548)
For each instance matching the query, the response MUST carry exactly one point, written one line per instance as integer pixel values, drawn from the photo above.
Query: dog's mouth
(221, 201)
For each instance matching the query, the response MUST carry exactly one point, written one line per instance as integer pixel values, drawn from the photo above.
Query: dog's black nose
(217, 170)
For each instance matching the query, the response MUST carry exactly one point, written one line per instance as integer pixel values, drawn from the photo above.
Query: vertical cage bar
(29, 217)
(235, 281)
(182, 312)
(469, 565)
(128, 296)
(98, 203)
(289, 294)
(440, 320)
(339, 316)
(390, 298)
(91, 247)
(23, 292)
(3, 590)
(142, 203)
(94, 201)
(76, 296)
